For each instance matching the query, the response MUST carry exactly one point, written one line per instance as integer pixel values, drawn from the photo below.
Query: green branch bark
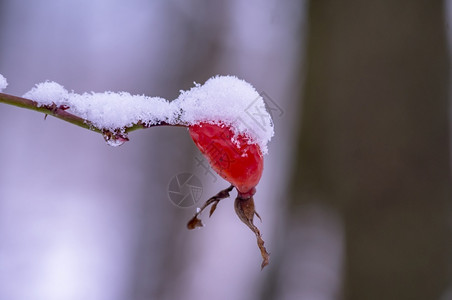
(54, 111)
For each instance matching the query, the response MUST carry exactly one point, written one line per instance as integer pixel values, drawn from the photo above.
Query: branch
(57, 112)
(118, 135)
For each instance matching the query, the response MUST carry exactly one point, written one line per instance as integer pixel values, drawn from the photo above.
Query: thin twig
(62, 114)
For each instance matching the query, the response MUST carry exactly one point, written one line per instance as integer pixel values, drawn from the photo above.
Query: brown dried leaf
(194, 223)
(245, 211)
(212, 209)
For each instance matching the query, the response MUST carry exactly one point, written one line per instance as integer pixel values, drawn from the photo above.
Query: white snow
(222, 99)
(48, 93)
(231, 101)
(3, 83)
(106, 110)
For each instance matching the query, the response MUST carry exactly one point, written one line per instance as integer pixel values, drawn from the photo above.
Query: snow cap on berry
(230, 101)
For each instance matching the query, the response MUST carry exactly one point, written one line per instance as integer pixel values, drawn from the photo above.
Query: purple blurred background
(82, 220)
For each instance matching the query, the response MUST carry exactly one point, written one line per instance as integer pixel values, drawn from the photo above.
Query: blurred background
(356, 192)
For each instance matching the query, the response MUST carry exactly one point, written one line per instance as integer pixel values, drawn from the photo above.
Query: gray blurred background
(356, 192)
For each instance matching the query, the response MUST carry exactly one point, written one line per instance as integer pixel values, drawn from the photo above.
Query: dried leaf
(195, 222)
(245, 211)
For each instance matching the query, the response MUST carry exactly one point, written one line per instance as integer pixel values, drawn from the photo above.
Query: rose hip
(233, 158)
(239, 162)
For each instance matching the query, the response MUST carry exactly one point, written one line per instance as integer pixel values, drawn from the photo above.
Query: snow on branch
(222, 99)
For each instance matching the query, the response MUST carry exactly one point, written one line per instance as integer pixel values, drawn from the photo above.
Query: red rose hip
(233, 158)
(239, 162)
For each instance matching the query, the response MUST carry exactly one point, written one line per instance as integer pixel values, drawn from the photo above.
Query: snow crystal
(3, 83)
(222, 99)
